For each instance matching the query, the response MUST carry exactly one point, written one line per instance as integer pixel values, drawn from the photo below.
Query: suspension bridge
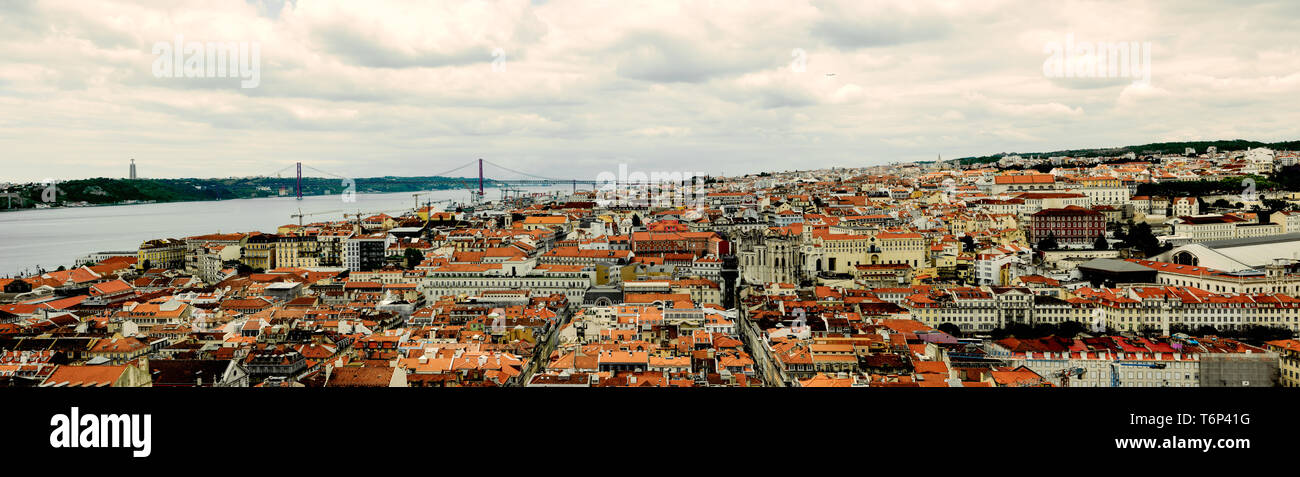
(475, 185)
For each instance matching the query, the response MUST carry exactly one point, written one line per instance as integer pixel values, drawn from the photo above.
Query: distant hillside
(112, 191)
(1143, 150)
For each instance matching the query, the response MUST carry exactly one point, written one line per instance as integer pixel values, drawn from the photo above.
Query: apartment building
(297, 251)
(364, 252)
(1288, 352)
(1115, 361)
(572, 281)
(161, 253)
(197, 245)
(1072, 227)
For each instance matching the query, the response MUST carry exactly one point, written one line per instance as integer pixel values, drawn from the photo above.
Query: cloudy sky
(367, 88)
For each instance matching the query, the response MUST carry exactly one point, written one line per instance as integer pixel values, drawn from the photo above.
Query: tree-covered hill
(111, 191)
(1157, 148)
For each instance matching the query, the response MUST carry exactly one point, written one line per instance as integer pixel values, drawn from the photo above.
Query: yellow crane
(300, 215)
(361, 214)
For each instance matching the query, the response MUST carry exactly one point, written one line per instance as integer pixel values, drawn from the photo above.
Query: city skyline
(460, 173)
(727, 89)
(997, 276)
(1091, 204)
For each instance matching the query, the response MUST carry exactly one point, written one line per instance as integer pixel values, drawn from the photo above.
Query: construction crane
(361, 214)
(357, 215)
(1114, 370)
(416, 196)
(300, 215)
(506, 190)
(428, 204)
(1065, 374)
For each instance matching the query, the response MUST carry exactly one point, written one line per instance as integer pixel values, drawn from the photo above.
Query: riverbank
(151, 202)
(99, 192)
(46, 238)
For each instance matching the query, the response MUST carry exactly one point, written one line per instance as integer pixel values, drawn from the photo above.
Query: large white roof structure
(1237, 254)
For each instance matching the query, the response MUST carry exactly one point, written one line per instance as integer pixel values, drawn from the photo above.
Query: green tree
(1022, 331)
(967, 243)
(1141, 238)
(413, 257)
(1277, 205)
(1206, 330)
(1120, 233)
(1045, 329)
(1070, 329)
(1101, 243)
(1049, 243)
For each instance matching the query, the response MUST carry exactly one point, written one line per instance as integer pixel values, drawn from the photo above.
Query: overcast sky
(367, 88)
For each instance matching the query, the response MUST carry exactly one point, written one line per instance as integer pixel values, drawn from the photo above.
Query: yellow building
(553, 222)
(1010, 236)
(297, 251)
(161, 253)
(1288, 352)
(381, 222)
(1099, 181)
(260, 252)
(839, 253)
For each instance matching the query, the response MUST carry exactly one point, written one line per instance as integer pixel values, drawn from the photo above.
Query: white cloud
(400, 87)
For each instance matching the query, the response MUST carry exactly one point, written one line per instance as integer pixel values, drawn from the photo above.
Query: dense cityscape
(675, 234)
(1152, 270)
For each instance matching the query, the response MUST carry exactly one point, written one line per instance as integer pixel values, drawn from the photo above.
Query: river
(47, 238)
